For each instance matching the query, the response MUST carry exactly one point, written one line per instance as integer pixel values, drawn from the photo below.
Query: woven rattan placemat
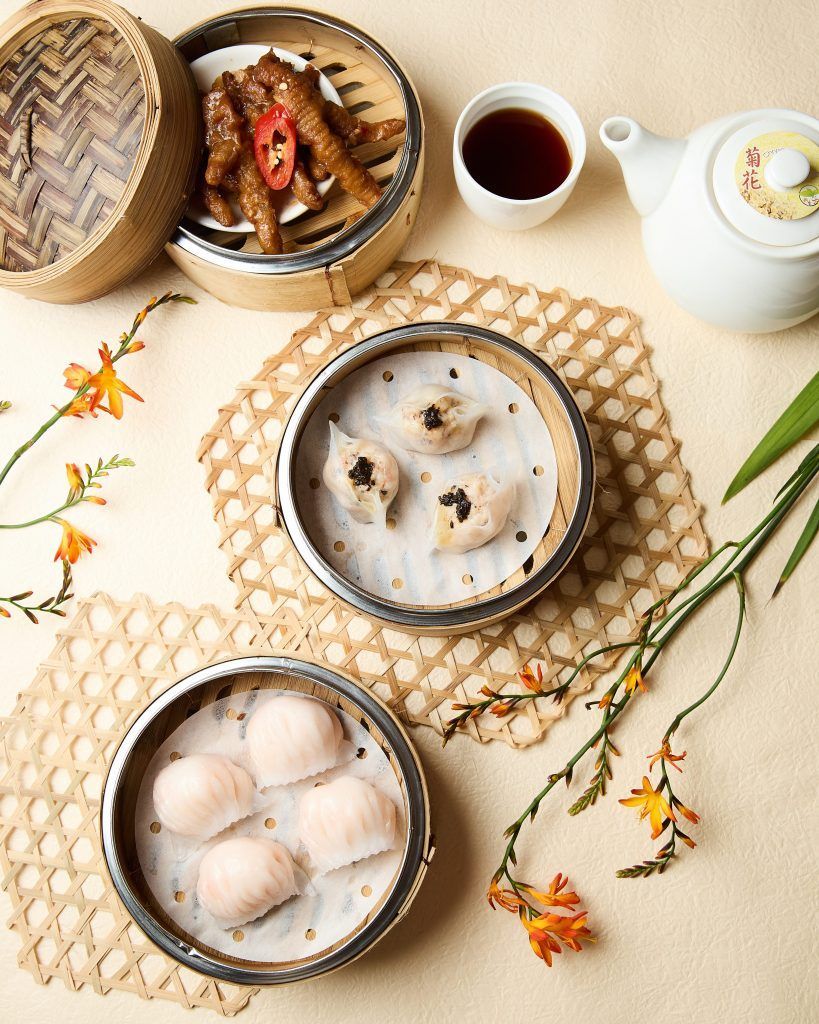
(55, 747)
(645, 532)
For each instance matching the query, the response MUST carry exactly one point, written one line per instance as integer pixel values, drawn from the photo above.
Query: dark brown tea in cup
(517, 153)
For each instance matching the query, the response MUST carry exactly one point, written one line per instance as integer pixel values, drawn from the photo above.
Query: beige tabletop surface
(728, 933)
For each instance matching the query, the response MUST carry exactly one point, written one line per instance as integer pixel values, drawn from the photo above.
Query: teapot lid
(766, 178)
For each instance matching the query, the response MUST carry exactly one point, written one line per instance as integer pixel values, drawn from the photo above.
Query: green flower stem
(745, 551)
(41, 519)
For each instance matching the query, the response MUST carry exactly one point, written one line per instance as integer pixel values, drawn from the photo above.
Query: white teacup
(518, 214)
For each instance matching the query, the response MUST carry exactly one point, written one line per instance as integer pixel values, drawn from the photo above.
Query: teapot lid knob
(787, 169)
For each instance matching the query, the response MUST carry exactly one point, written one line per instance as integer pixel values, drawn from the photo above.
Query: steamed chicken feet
(306, 107)
(232, 166)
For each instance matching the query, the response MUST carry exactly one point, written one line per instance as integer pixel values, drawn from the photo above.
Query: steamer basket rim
(434, 618)
(347, 242)
(417, 853)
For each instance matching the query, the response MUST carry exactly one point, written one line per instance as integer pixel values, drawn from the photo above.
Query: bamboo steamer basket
(200, 690)
(334, 253)
(575, 477)
(100, 140)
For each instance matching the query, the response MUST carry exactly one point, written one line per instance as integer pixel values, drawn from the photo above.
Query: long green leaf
(800, 417)
(802, 545)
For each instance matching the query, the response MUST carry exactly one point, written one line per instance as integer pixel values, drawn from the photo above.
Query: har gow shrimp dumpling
(201, 795)
(472, 510)
(291, 738)
(241, 879)
(345, 821)
(362, 475)
(433, 419)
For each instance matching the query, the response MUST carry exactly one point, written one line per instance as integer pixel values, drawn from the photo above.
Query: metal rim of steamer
(346, 242)
(417, 853)
(416, 617)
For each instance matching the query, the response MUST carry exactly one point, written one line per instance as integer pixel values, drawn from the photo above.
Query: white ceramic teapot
(730, 214)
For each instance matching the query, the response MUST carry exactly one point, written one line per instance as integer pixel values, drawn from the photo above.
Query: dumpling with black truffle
(433, 420)
(362, 475)
(471, 511)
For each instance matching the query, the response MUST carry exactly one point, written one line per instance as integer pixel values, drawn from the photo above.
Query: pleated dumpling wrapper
(201, 794)
(291, 738)
(471, 511)
(243, 878)
(433, 419)
(362, 475)
(344, 821)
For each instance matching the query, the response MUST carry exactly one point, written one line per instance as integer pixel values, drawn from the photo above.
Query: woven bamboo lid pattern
(99, 140)
(73, 111)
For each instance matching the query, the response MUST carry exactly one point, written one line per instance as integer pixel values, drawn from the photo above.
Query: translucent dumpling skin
(471, 511)
(345, 821)
(361, 475)
(291, 738)
(241, 879)
(434, 420)
(202, 794)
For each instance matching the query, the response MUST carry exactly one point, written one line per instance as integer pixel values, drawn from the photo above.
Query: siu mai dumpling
(291, 738)
(361, 475)
(471, 511)
(344, 821)
(202, 794)
(433, 419)
(241, 879)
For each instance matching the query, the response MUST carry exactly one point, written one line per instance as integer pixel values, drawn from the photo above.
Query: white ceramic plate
(233, 58)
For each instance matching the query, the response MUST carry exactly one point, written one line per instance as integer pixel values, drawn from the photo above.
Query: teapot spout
(648, 161)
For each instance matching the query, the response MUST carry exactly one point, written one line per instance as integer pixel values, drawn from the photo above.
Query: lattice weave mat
(644, 535)
(55, 747)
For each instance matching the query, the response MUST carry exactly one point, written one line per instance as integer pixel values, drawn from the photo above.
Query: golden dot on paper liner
(230, 713)
(366, 890)
(175, 755)
(338, 546)
(520, 536)
(240, 716)
(238, 935)
(538, 470)
(426, 477)
(310, 934)
(387, 375)
(314, 484)
(466, 578)
(390, 523)
(179, 896)
(397, 583)
(513, 407)
(269, 822)
(155, 827)
(361, 753)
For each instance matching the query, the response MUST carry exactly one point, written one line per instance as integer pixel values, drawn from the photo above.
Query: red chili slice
(274, 146)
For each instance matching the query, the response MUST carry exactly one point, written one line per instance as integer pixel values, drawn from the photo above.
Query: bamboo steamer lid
(99, 144)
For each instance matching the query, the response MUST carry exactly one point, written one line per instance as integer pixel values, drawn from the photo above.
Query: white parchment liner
(512, 443)
(333, 905)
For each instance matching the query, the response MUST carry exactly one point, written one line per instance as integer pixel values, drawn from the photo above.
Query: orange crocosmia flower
(75, 482)
(653, 805)
(73, 544)
(605, 700)
(635, 679)
(5, 613)
(530, 681)
(96, 501)
(106, 384)
(555, 897)
(664, 754)
(506, 899)
(135, 346)
(686, 812)
(546, 930)
(82, 405)
(76, 376)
